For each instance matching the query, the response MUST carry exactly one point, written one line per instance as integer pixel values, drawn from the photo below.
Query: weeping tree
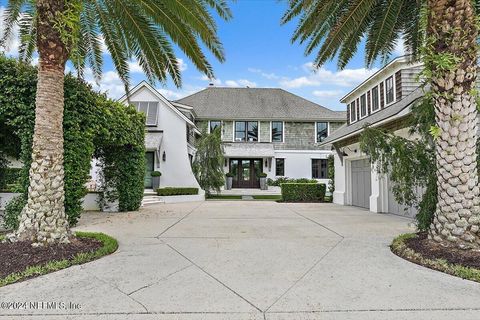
(62, 30)
(409, 163)
(443, 34)
(208, 162)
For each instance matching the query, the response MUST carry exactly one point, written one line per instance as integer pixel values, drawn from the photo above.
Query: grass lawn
(224, 197)
(268, 197)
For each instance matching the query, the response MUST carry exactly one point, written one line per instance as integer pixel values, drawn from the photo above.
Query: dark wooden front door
(245, 172)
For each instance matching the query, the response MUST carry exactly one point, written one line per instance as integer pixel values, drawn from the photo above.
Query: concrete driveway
(247, 260)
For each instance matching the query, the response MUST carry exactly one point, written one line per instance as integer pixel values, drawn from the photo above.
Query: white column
(340, 185)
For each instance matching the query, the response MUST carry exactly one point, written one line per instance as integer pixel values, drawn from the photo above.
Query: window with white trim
(389, 90)
(150, 109)
(214, 124)
(319, 168)
(322, 131)
(277, 131)
(363, 106)
(375, 99)
(353, 112)
(246, 131)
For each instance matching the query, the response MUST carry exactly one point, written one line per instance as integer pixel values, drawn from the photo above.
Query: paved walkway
(248, 260)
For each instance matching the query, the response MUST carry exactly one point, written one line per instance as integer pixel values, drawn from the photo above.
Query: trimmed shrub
(277, 182)
(171, 191)
(303, 192)
(262, 175)
(156, 174)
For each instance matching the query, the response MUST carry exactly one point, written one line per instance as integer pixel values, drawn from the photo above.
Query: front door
(245, 172)
(149, 163)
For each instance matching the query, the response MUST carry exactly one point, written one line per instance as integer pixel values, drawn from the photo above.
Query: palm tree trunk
(453, 27)
(43, 219)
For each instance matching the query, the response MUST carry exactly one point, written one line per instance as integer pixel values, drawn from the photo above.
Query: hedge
(277, 182)
(303, 192)
(171, 191)
(93, 125)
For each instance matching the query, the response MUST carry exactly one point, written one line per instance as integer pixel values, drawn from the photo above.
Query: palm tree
(62, 30)
(444, 34)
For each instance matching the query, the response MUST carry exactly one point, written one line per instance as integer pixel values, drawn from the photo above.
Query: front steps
(150, 197)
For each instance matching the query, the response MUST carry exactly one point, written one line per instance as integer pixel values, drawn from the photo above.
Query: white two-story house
(266, 130)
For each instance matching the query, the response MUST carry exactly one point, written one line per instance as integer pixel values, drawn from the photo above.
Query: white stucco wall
(176, 169)
(298, 163)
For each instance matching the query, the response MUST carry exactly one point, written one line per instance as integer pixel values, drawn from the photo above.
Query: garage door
(361, 183)
(396, 208)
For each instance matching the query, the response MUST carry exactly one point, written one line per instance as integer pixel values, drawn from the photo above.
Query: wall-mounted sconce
(266, 163)
(164, 156)
(226, 163)
(344, 154)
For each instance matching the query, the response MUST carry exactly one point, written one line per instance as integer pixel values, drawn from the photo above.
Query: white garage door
(361, 183)
(396, 208)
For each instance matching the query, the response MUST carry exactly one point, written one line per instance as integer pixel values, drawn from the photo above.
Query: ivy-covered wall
(93, 125)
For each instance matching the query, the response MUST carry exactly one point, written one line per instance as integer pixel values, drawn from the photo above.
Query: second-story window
(353, 112)
(363, 106)
(214, 124)
(389, 90)
(322, 131)
(246, 131)
(277, 131)
(150, 109)
(375, 100)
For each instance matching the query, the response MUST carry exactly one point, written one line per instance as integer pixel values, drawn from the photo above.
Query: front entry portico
(246, 172)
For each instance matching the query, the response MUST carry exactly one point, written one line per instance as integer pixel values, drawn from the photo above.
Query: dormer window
(353, 112)
(375, 99)
(389, 90)
(150, 109)
(363, 106)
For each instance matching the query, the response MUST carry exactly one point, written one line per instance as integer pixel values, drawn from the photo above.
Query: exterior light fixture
(164, 156)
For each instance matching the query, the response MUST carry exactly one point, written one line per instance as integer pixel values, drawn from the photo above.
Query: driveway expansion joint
(178, 221)
(213, 277)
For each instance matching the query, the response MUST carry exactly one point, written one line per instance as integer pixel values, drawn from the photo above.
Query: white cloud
(135, 67)
(229, 83)
(322, 76)
(399, 49)
(327, 93)
(11, 47)
(269, 76)
(109, 83)
(182, 65)
(240, 83)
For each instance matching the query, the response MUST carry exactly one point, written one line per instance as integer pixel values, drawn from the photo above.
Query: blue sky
(259, 53)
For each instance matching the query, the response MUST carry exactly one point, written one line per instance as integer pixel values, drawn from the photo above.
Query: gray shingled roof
(258, 104)
(347, 130)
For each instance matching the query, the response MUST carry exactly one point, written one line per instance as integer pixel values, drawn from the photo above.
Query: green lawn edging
(399, 248)
(110, 245)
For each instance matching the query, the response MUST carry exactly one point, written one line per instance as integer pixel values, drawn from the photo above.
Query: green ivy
(93, 125)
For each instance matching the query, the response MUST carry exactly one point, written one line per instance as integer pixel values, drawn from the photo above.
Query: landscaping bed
(417, 248)
(20, 261)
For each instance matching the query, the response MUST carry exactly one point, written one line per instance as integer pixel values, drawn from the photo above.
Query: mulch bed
(432, 250)
(16, 257)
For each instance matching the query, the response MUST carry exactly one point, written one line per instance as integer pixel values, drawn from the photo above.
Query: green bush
(303, 192)
(277, 182)
(156, 174)
(262, 175)
(9, 177)
(171, 191)
(12, 212)
(92, 125)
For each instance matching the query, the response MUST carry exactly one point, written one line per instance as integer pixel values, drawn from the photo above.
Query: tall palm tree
(445, 32)
(62, 30)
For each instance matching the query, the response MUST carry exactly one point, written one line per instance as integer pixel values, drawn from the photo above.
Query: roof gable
(158, 95)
